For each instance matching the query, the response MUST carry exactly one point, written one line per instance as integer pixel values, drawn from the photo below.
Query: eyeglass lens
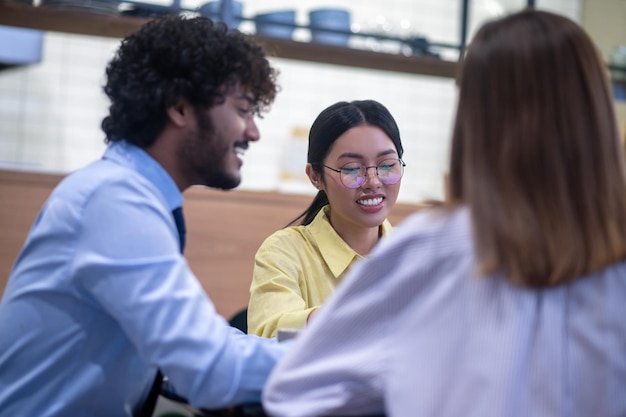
(354, 174)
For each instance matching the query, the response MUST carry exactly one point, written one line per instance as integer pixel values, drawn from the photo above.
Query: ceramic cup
(212, 10)
(266, 23)
(337, 19)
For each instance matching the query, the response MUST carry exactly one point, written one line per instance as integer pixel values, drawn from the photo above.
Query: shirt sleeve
(127, 262)
(276, 300)
(337, 364)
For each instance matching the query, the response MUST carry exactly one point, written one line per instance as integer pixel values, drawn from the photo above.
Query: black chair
(240, 320)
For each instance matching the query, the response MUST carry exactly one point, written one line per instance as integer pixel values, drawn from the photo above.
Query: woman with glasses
(354, 160)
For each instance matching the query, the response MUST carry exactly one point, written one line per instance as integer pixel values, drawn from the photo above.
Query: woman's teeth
(370, 201)
(239, 150)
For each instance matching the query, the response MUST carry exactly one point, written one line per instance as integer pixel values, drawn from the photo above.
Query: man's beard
(211, 169)
(222, 181)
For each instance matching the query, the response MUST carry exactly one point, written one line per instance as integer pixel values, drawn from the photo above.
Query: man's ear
(314, 177)
(179, 113)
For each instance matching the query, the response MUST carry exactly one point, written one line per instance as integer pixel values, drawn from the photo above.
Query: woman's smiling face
(370, 204)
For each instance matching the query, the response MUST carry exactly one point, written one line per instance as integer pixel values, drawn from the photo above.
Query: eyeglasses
(354, 174)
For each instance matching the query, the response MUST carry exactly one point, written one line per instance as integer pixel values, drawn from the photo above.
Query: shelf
(85, 23)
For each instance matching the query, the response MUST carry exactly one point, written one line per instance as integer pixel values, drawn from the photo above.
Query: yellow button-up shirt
(295, 270)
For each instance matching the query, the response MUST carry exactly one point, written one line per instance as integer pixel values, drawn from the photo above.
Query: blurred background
(52, 106)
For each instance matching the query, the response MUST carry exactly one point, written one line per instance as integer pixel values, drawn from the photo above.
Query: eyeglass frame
(367, 168)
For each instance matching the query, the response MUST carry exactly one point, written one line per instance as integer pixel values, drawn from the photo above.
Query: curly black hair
(177, 57)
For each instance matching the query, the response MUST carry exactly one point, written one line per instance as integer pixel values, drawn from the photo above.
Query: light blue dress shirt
(414, 331)
(100, 296)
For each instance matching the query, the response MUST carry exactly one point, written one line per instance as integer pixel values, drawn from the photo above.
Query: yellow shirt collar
(335, 251)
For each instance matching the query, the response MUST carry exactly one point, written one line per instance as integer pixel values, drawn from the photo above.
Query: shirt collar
(335, 251)
(129, 155)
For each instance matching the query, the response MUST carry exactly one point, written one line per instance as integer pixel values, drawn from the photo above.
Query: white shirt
(413, 331)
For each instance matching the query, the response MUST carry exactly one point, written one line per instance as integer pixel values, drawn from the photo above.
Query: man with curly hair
(100, 297)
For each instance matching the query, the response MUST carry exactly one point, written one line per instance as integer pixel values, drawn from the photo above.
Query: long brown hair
(536, 153)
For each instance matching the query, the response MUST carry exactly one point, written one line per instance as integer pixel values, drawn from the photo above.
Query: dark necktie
(148, 406)
(180, 225)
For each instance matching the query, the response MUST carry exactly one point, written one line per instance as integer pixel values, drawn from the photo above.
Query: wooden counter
(224, 230)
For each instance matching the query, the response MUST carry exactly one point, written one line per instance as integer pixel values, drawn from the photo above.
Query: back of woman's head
(536, 152)
(333, 122)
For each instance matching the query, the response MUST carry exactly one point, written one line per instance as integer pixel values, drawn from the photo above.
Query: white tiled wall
(50, 113)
